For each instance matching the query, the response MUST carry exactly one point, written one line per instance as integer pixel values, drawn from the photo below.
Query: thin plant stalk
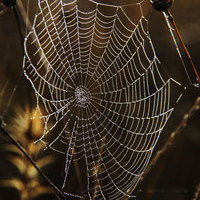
(171, 18)
(24, 15)
(169, 144)
(98, 166)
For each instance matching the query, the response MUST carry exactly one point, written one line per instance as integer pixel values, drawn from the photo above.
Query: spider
(161, 5)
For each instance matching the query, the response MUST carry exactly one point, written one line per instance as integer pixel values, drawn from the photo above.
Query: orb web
(101, 92)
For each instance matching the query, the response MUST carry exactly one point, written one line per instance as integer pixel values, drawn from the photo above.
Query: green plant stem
(58, 192)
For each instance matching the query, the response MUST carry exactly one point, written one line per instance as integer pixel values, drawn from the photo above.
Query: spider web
(101, 92)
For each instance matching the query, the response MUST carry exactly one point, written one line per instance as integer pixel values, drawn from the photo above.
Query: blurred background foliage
(26, 180)
(177, 173)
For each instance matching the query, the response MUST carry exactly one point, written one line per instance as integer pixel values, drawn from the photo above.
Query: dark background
(177, 173)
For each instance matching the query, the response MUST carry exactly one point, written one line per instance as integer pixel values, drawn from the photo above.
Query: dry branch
(170, 142)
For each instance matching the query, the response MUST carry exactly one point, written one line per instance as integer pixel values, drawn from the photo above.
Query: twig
(169, 144)
(58, 192)
(98, 168)
(182, 43)
(77, 168)
(24, 15)
(29, 27)
(197, 193)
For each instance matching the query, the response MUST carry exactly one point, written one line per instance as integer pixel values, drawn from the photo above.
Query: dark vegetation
(177, 173)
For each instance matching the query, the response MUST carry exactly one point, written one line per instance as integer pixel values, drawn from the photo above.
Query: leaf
(11, 149)
(37, 125)
(45, 161)
(13, 183)
(34, 149)
(18, 162)
(33, 183)
(42, 190)
(20, 123)
(31, 172)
